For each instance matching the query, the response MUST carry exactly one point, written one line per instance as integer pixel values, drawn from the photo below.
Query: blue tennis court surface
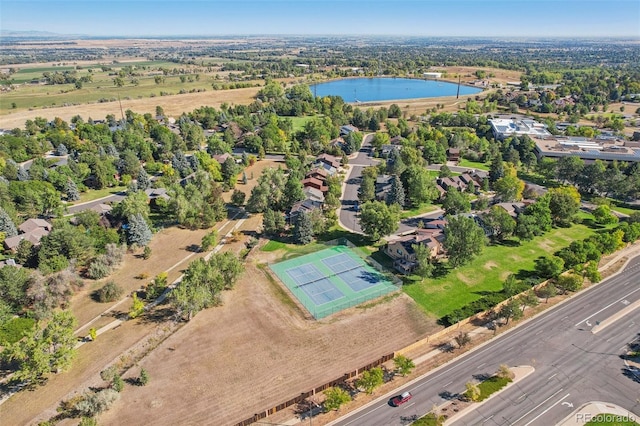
(331, 280)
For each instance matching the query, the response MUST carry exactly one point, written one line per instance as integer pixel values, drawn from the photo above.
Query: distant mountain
(35, 34)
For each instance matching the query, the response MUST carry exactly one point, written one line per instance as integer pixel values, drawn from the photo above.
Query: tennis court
(332, 280)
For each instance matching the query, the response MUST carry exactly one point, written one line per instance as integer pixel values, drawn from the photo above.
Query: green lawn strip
(273, 245)
(13, 330)
(423, 208)
(94, 194)
(473, 164)
(429, 419)
(607, 419)
(441, 296)
(298, 122)
(492, 385)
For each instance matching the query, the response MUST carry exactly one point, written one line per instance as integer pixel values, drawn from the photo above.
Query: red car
(401, 399)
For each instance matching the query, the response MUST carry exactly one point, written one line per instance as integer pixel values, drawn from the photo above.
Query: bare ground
(254, 345)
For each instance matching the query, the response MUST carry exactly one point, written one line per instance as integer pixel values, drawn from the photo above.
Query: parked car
(401, 399)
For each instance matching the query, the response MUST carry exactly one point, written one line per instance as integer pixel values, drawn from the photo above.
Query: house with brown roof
(329, 160)
(31, 230)
(318, 173)
(453, 154)
(402, 250)
(315, 183)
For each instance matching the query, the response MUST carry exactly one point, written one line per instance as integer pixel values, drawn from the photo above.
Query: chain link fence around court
(339, 296)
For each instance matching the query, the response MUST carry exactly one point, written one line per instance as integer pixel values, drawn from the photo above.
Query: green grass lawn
(473, 164)
(424, 208)
(94, 194)
(492, 385)
(440, 296)
(606, 419)
(299, 122)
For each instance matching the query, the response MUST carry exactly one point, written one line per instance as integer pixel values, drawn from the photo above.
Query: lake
(389, 89)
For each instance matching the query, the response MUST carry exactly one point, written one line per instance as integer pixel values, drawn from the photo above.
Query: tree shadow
(481, 377)
(448, 396)
(157, 315)
(508, 243)
(445, 347)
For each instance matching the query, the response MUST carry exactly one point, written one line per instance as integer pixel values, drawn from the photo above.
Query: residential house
(453, 154)
(345, 130)
(31, 230)
(330, 160)
(513, 208)
(318, 173)
(307, 206)
(155, 193)
(313, 194)
(383, 186)
(386, 149)
(402, 250)
(315, 183)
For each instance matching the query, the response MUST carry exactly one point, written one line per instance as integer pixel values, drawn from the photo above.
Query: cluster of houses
(315, 185)
(402, 250)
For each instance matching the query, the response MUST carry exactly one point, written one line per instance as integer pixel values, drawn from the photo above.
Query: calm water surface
(388, 89)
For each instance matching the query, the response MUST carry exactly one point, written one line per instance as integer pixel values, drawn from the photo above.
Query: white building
(504, 128)
(432, 74)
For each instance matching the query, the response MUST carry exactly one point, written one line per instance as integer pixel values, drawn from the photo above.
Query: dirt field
(173, 105)
(256, 346)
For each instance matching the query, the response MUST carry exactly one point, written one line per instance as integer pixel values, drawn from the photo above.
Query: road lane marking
(541, 414)
(413, 403)
(363, 415)
(481, 365)
(487, 419)
(444, 386)
(537, 406)
(551, 377)
(608, 306)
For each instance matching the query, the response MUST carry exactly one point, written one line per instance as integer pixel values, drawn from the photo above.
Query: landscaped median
(478, 394)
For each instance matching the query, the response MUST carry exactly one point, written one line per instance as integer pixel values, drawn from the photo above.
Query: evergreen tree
(139, 232)
(71, 190)
(61, 150)
(6, 224)
(143, 180)
(180, 163)
(293, 191)
(496, 169)
(22, 174)
(303, 229)
(396, 193)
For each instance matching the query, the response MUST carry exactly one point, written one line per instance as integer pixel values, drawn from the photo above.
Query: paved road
(573, 366)
(115, 198)
(348, 214)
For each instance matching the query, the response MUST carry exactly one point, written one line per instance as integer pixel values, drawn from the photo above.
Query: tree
(335, 398)
(547, 291)
(6, 224)
(143, 180)
(377, 219)
(293, 191)
(367, 190)
(370, 379)
(509, 188)
(564, 203)
(403, 365)
(604, 216)
(110, 292)
(138, 232)
(496, 168)
(303, 228)
(549, 267)
(396, 193)
(93, 404)
(462, 339)
(71, 189)
(419, 185)
(238, 197)
(146, 253)
(528, 299)
(499, 222)
(144, 378)
(472, 391)
(456, 202)
(42, 351)
(510, 310)
(591, 272)
(424, 268)
(137, 307)
(504, 372)
(209, 240)
(568, 282)
(463, 240)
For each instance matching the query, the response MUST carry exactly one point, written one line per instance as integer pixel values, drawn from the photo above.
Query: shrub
(110, 292)
(117, 384)
(99, 268)
(95, 403)
(109, 373)
(144, 377)
(88, 421)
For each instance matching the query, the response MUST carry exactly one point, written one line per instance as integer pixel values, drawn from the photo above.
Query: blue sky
(526, 18)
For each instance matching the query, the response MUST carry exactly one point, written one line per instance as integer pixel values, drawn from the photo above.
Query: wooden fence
(304, 395)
